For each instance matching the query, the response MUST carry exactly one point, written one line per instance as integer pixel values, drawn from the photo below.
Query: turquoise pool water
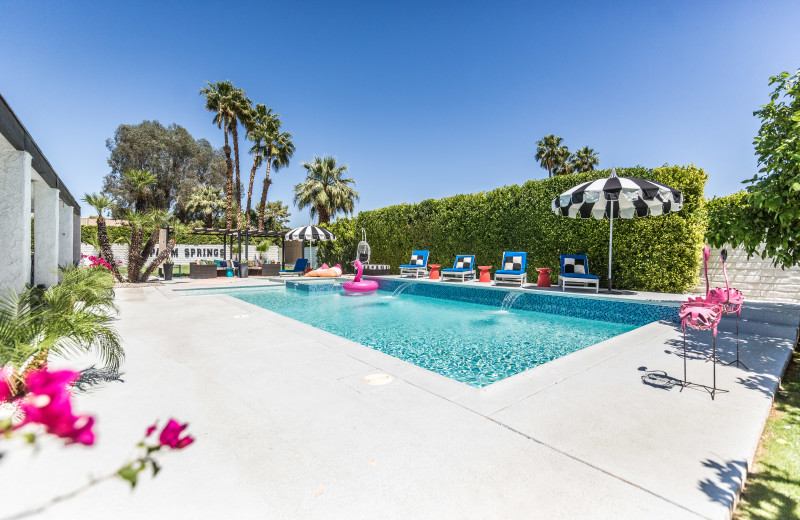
(473, 343)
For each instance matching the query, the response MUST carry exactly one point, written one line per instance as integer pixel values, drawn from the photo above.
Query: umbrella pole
(610, 244)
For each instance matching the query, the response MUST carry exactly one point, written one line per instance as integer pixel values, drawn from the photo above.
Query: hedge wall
(115, 233)
(650, 254)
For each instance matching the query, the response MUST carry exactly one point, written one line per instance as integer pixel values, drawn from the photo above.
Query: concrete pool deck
(286, 426)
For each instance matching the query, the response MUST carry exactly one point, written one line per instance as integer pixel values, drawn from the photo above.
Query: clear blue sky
(420, 99)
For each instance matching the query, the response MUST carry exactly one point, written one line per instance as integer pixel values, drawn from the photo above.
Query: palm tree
(207, 199)
(547, 152)
(324, 190)
(242, 113)
(138, 181)
(563, 162)
(276, 151)
(263, 123)
(102, 203)
(220, 101)
(585, 159)
(72, 317)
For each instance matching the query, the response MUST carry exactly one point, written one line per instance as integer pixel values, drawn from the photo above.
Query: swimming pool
(473, 335)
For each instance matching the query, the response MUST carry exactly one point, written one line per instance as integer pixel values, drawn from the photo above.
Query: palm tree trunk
(263, 207)
(324, 215)
(235, 132)
(208, 219)
(105, 247)
(159, 259)
(134, 255)
(229, 184)
(250, 191)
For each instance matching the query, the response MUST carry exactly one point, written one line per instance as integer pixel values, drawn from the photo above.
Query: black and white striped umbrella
(310, 233)
(617, 197)
(634, 197)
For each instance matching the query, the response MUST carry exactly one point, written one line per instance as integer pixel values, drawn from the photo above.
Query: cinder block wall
(756, 278)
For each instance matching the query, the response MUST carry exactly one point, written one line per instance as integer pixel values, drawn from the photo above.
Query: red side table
(435, 271)
(544, 276)
(485, 278)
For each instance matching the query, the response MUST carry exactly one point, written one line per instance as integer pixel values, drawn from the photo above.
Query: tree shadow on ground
(725, 487)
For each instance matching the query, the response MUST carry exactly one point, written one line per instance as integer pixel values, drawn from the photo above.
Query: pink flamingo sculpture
(700, 315)
(729, 299)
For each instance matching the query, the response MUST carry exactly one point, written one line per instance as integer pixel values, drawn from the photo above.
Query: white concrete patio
(287, 428)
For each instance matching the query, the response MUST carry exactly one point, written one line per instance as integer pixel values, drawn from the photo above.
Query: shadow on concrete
(724, 488)
(659, 379)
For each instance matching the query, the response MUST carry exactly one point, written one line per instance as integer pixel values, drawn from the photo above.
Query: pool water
(473, 343)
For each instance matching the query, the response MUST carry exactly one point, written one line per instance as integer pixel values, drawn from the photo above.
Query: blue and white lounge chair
(463, 267)
(418, 266)
(575, 273)
(298, 270)
(513, 268)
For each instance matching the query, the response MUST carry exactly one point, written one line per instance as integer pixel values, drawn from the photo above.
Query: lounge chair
(418, 266)
(463, 267)
(575, 273)
(513, 268)
(298, 270)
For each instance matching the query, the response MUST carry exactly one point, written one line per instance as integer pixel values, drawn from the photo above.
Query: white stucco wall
(15, 217)
(184, 254)
(757, 279)
(45, 233)
(65, 230)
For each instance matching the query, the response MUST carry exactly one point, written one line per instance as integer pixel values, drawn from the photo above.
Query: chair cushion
(576, 275)
(417, 260)
(414, 266)
(512, 263)
(510, 271)
(464, 263)
(456, 270)
(574, 266)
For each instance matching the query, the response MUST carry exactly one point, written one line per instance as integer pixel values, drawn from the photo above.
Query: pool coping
(485, 400)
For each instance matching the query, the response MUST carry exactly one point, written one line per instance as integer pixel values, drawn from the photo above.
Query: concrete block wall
(188, 253)
(757, 279)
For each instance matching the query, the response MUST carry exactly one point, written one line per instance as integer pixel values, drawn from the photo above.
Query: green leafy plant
(765, 219)
(651, 254)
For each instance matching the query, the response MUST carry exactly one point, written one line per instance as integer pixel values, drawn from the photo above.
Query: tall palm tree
(324, 190)
(242, 113)
(563, 162)
(547, 152)
(276, 152)
(262, 128)
(206, 198)
(139, 181)
(102, 203)
(220, 101)
(585, 159)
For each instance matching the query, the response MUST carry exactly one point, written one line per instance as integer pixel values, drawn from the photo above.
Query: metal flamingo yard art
(700, 315)
(729, 299)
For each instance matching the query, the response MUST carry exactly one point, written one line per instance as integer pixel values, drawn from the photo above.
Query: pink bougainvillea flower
(43, 382)
(171, 435)
(150, 430)
(5, 384)
(48, 403)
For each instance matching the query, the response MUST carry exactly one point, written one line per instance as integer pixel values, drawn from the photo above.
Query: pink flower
(171, 435)
(48, 403)
(5, 386)
(150, 430)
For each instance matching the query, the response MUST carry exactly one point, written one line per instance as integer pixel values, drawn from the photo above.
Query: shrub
(651, 254)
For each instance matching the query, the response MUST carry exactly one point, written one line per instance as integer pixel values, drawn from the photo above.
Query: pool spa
(475, 335)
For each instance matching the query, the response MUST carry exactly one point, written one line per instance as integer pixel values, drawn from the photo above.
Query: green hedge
(650, 254)
(725, 215)
(117, 233)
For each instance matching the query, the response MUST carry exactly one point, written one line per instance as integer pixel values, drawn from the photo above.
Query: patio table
(435, 271)
(544, 276)
(485, 277)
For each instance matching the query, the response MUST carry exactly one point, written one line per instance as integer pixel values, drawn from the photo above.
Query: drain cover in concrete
(378, 379)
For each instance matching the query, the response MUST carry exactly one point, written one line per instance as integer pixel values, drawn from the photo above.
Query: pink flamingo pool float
(359, 286)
